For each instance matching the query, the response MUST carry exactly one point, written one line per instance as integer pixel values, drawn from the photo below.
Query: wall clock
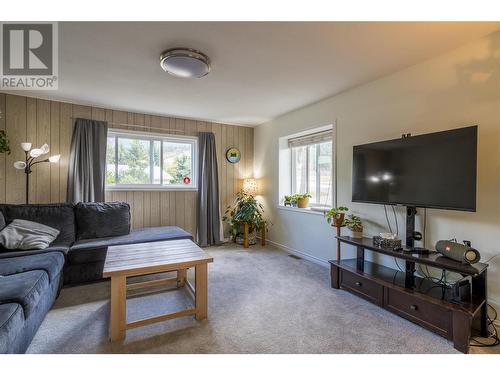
(233, 155)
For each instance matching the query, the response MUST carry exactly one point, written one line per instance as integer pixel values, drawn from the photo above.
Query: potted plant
(336, 216)
(293, 200)
(355, 225)
(4, 143)
(245, 209)
(303, 200)
(287, 201)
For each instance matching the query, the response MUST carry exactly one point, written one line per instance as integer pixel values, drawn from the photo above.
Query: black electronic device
(436, 170)
(461, 291)
(456, 251)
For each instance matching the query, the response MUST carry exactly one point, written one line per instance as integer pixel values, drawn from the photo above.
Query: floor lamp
(31, 156)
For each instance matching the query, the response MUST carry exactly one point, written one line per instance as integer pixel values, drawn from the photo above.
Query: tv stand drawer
(429, 315)
(362, 287)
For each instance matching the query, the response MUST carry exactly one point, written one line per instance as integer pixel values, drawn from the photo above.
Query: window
(312, 168)
(146, 161)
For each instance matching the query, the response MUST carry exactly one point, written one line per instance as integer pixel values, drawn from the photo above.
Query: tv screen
(436, 170)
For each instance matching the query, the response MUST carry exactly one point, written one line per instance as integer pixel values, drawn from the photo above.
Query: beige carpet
(260, 301)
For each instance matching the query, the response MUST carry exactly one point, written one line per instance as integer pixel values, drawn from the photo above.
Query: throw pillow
(3, 224)
(27, 235)
(99, 219)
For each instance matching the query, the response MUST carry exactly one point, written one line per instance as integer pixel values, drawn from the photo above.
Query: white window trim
(160, 137)
(285, 170)
(317, 192)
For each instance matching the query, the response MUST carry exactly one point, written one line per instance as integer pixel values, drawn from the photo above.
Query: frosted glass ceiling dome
(185, 63)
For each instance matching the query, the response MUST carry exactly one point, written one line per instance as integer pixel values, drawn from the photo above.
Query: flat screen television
(436, 170)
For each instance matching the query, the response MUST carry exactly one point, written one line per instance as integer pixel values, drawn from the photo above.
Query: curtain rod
(141, 126)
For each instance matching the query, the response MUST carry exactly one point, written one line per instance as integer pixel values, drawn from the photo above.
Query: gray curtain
(209, 224)
(87, 161)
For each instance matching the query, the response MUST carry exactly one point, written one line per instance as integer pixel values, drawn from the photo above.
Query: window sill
(149, 188)
(302, 210)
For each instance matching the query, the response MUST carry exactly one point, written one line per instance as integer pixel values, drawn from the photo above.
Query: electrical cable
(396, 220)
(491, 334)
(397, 264)
(387, 219)
(425, 227)
(494, 256)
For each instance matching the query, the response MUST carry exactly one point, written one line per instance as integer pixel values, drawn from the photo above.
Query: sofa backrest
(56, 215)
(102, 219)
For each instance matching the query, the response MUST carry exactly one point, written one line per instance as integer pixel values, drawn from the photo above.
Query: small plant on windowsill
(303, 200)
(336, 216)
(297, 200)
(355, 225)
(245, 209)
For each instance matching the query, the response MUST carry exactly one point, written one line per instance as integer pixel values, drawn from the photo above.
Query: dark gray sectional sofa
(30, 280)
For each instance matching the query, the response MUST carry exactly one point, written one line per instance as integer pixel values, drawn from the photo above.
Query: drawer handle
(358, 283)
(414, 307)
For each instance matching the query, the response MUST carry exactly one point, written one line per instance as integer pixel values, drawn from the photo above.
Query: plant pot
(303, 203)
(356, 234)
(252, 238)
(339, 220)
(293, 204)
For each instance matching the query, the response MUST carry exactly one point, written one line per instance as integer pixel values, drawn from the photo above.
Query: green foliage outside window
(135, 163)
(179, 169)
(136, 159)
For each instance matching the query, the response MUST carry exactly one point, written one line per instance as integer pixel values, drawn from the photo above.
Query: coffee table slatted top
(152, 257)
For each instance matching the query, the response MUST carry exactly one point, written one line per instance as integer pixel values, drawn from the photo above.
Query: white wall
(457, 89)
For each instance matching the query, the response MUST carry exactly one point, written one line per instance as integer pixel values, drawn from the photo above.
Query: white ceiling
(259, 70)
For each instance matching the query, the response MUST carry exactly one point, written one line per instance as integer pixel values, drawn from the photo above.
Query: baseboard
(298, 253)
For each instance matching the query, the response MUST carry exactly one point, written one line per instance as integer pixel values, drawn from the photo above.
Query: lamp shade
(26, 146)
(250, 186)
(19, 165)
(54, 158)
(36, 152)
(45, 149)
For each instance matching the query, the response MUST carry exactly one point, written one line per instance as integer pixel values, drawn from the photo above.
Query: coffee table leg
(201, 297)
(118, 313)
(181, 278)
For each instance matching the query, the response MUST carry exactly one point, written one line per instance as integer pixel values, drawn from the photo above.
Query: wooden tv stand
(412, 297)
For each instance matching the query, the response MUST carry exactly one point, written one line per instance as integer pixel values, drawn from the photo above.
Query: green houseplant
(4, 143)
(336, 215)
(297, 200)
(355, 225)
(303, 200)
(287, 201)
(245, 209)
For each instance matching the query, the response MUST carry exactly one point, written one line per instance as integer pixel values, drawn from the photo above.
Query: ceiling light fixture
(185, 63)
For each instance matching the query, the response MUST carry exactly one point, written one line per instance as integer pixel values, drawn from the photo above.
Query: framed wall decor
(233, 155)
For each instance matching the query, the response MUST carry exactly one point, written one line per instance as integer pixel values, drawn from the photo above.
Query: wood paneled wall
(40, 121)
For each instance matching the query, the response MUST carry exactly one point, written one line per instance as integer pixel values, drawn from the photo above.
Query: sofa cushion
(11, 325)
(24, 288)
(51, 263)
(27, 235)
(86, 251)
(54, 247)
(3, 224)
(60, 216)
(98, 220)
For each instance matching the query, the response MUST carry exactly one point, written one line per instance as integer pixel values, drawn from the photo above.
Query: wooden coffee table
(148, 258)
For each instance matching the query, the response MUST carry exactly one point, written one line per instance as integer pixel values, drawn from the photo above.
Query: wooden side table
(338, 241)
(246, 229)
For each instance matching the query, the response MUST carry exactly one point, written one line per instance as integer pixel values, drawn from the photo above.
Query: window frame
(293, 173)
(149, 136)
